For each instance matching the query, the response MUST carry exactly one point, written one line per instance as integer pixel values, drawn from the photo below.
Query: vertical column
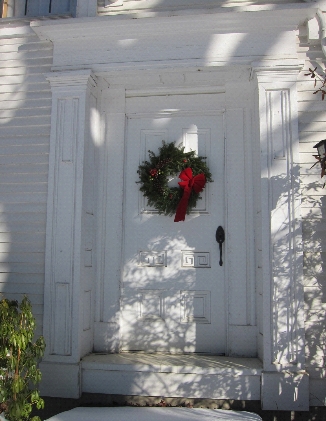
(284, 383)
(107, 326)
(63, 293)
(239, 258)
(242, 330)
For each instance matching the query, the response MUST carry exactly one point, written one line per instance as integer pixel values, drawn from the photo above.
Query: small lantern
(321, 157)
(321, 148)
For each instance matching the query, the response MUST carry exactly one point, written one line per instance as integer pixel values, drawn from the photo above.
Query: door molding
(240, 275)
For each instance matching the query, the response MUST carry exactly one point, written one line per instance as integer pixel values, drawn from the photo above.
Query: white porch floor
(150, 414)
(190, 376)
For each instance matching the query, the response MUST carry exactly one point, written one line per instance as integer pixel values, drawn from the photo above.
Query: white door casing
(162, 105)
(173, 289)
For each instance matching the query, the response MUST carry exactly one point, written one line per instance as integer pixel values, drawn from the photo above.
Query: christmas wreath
(154, 177)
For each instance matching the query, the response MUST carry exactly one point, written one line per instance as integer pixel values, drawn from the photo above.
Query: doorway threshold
(172, 375)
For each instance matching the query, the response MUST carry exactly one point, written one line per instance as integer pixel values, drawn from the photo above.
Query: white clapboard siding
(25, 113)
(312, 128)
(23, 217)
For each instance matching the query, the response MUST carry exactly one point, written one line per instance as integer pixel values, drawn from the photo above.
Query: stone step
(190, 376)
(150, 414)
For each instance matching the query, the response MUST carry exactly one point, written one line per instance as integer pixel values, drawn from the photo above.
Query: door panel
(173, 292)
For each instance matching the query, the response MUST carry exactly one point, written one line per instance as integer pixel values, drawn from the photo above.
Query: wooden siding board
(22, 97)
(19, 258)
(28, 207)
(23, 71)
(8, 80)
(31, 103)
(312, 128)
(22, 267)
(18, 288)
(315, 189)
(25, 217)
(21, 40)
(22, 87)
(22, 278)
(311, 117)
(30, 121)
(25, 110)
(26, 56)
(23, 198)
(311, 213)
(24, 80)
(23, 237)
(21, 226)
(26, 167)
(24, 178)
(312, 137)
(23, 187)
(314, 281)
(311, 106)
(41, 158)
(24, 140)
(33, 62)
(35, 148)
(306, 148)
(16, 247)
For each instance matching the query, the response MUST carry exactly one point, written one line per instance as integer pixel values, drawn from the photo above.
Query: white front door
(173, 292)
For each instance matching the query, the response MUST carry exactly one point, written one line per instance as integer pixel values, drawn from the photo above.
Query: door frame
(239, 224)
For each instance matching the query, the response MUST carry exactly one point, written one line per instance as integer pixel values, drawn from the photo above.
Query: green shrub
(19, 356)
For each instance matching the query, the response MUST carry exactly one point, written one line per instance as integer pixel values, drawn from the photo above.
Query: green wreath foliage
(155, 172)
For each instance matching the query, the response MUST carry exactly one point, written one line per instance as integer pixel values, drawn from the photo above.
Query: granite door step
(153, 414)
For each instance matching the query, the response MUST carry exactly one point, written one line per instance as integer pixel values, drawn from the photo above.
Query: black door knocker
(220, 238)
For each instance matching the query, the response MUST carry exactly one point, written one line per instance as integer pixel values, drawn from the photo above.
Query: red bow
(188, 183)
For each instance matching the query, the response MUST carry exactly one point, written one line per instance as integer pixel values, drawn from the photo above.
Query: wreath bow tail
(188, 183)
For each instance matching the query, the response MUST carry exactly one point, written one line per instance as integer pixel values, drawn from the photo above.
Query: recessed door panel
(172, 287)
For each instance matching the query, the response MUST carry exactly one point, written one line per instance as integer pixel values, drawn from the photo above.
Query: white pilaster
(239, 256)
(63, 293)
(107, 325)
(284, 384)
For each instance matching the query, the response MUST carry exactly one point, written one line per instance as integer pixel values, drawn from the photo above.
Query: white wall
(312, 129)
(25, 110)
(25, 102)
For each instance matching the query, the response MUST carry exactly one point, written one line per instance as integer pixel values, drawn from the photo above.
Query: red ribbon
(188, 183)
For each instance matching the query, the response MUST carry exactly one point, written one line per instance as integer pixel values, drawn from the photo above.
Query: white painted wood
(107, 332)
(65, 215)
(23, 171)
(282, 288)
(60, 379)
(283, 398)
(172, 375)
(173, 385)
(109, 227)
(159, 414)
(205, 40)
(312, 110)
(279, 144)
(89, 214)
(173, 298)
